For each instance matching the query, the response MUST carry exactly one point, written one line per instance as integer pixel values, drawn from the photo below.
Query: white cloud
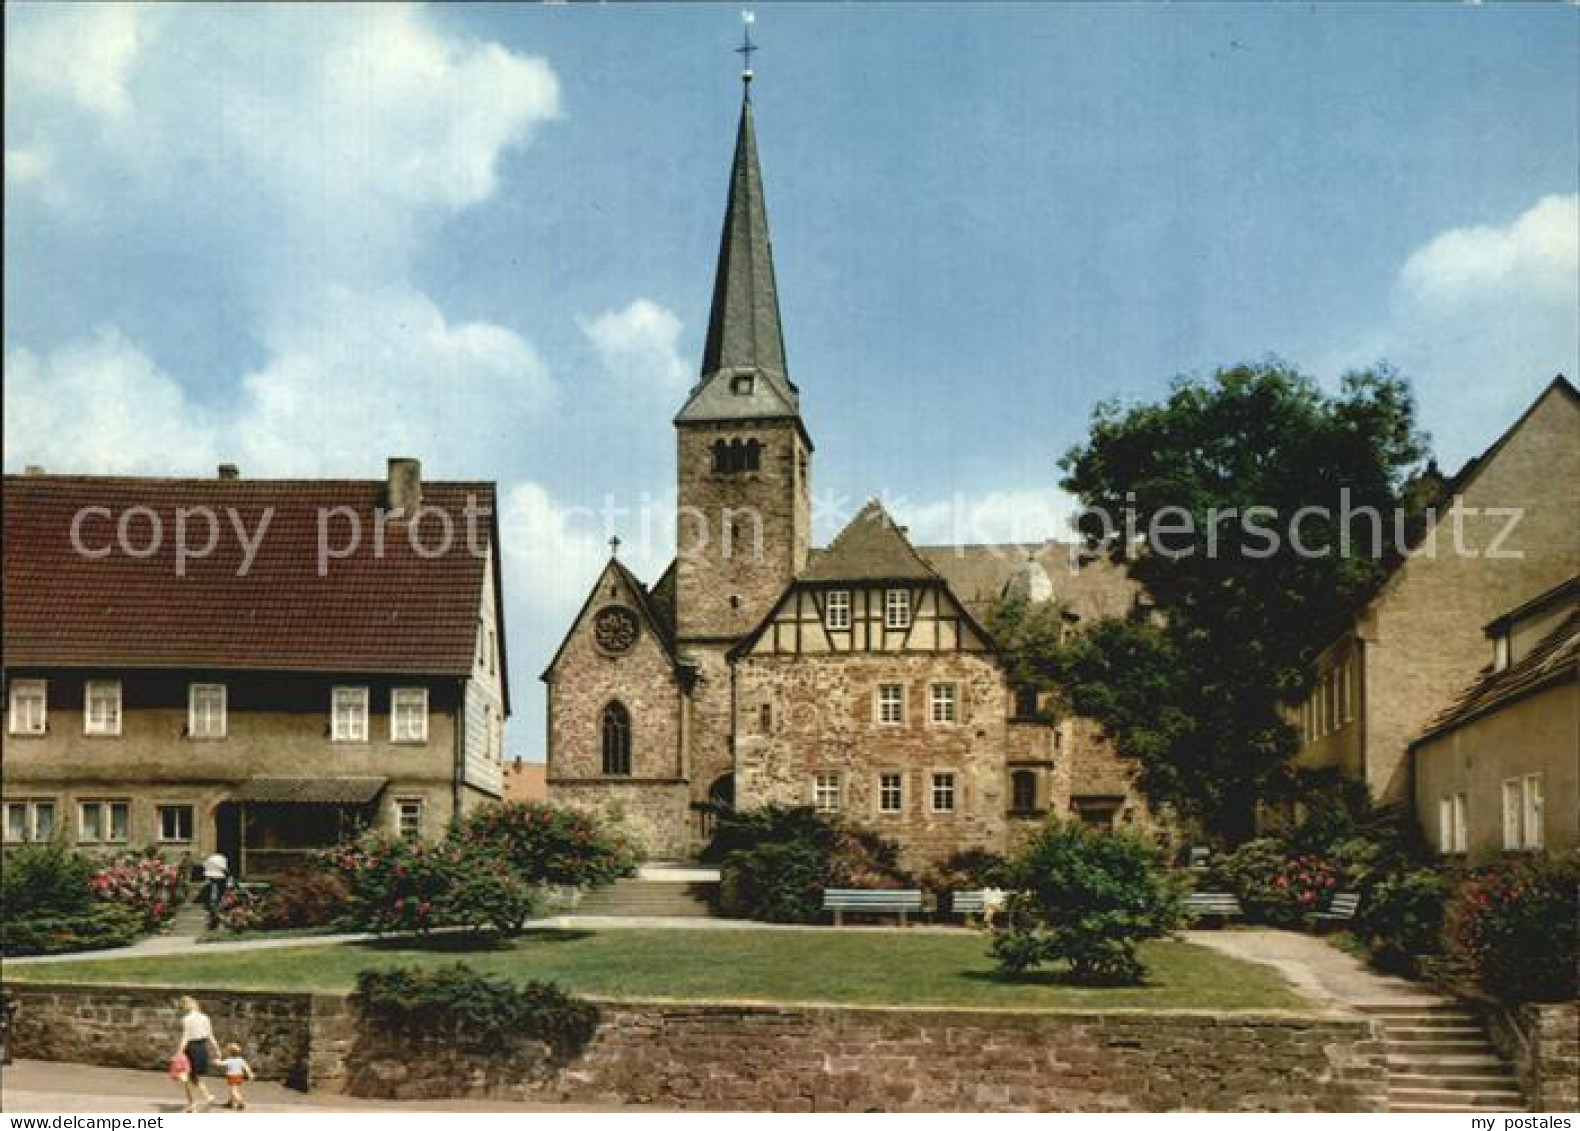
(370, 376)
(99, 405)
(82, 54)
(1480, 318)
(640, 347)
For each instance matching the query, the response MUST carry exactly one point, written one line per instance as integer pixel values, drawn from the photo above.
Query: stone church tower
(743, 464)
(857, 678)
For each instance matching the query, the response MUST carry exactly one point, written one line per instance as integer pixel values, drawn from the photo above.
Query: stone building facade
(248, 701)
(759, 669)
(1504, 532)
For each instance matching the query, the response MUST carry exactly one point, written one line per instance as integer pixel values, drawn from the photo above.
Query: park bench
(841, 900)
(1221, 905)
(1340, 909)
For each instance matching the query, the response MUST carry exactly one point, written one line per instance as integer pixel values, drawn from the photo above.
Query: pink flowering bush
(1274, 886)
(404, 886)
(1515, 925)
(146, 883)
(550, 844)
(240, 910)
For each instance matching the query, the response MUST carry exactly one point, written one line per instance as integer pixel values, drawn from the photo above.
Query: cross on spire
(747, 47)
(614, 546)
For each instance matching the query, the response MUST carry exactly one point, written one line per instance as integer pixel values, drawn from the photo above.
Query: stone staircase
(1440, 1060)
(649, 899)
(191, 920)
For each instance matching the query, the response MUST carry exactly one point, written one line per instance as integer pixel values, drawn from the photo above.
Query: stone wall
(1543, 1041)
(140, 1027)
(656, 813)
(825, 722)
(758, 1058)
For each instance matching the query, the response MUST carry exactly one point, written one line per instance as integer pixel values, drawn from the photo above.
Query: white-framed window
(175, 824)
(1452, 833)
(896, 608)
(408, 817)
(836, 613)
(101, 712)
(206, 716)
(891, 792)
(1511, 815)
(825, 793)
(945, 703)
(891, 703)
(349, 714)
(29, 706)
(1531, 837)
(943, 793)
(29, 821)
(103, 822)
(409, 714)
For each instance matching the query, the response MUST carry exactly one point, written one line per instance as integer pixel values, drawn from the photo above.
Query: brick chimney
(403, 491)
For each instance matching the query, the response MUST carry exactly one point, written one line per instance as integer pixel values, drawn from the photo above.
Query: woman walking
(197, 1043)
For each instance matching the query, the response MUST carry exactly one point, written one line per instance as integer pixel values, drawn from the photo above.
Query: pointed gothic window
(751, 455)
(616, 740)
(721, 456)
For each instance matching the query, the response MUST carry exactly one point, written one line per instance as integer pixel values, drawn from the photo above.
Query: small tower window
(616, 740)
(730, 456)
(742, 384)
(1023, 791)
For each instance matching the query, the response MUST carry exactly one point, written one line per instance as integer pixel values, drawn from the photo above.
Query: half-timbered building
(858, 678)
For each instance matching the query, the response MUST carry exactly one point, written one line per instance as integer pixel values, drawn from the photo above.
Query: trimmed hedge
(95, 927)
(474, 1010)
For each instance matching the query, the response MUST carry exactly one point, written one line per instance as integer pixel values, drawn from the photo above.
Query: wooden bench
(968, 902)
(1340, 909)
(841, 900)
(1212, 905)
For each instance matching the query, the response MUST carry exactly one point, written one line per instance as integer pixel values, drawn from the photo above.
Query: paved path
(43, 1086)
(1317, 968)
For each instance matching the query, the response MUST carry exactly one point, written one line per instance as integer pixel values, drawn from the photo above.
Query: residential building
(334, 661)
(1499, 770)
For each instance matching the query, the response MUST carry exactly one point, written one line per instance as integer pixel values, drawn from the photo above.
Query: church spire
(743, 327)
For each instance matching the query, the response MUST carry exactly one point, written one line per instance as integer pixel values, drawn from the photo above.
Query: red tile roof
(400, 612)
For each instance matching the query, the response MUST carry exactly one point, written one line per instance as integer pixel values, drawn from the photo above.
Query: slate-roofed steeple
(744, 334)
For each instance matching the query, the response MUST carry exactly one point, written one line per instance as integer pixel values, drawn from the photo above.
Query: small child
(237, 1073)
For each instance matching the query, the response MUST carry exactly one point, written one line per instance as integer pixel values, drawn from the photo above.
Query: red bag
(180, 1067)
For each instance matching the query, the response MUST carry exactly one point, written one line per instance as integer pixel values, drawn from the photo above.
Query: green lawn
(854, 967)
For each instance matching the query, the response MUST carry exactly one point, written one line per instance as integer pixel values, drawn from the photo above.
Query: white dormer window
(896, 608)
(28, 706)
(206, 710)
(349, 714)
(1500, 653)
(102, 707)
(836, 614)
(409, 714)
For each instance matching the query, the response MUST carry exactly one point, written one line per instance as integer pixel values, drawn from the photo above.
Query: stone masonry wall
(657, 814)
(140, 1027)
(823, 720)
(758, 1058)
(1543, 1041)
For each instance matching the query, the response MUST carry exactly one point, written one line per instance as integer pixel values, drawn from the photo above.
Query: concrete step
(1478, 1101)
(1467, 1047)
(638, 898)
(1483, 1064)
(1436, 1033)
(1442, 1109)
(1442, 1019)
(1503, 1082)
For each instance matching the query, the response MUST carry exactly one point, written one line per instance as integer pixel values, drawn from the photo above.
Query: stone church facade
(857, 678)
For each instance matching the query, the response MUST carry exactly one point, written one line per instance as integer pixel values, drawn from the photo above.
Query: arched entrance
(722, 791)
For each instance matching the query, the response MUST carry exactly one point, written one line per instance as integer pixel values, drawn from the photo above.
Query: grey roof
(310, 791)
(870, 548)
(744, 333)
(1090, 586)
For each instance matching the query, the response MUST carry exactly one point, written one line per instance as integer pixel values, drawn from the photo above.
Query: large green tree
(1257, 511)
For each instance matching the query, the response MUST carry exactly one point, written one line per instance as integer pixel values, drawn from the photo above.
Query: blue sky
(305, 238)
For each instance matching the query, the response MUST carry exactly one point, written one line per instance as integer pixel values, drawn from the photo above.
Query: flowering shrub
(1514, 925)
(240, 910)
(1401, 918)
(550, 844)
(146, 882)
(1274, 887)
(397, 885)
